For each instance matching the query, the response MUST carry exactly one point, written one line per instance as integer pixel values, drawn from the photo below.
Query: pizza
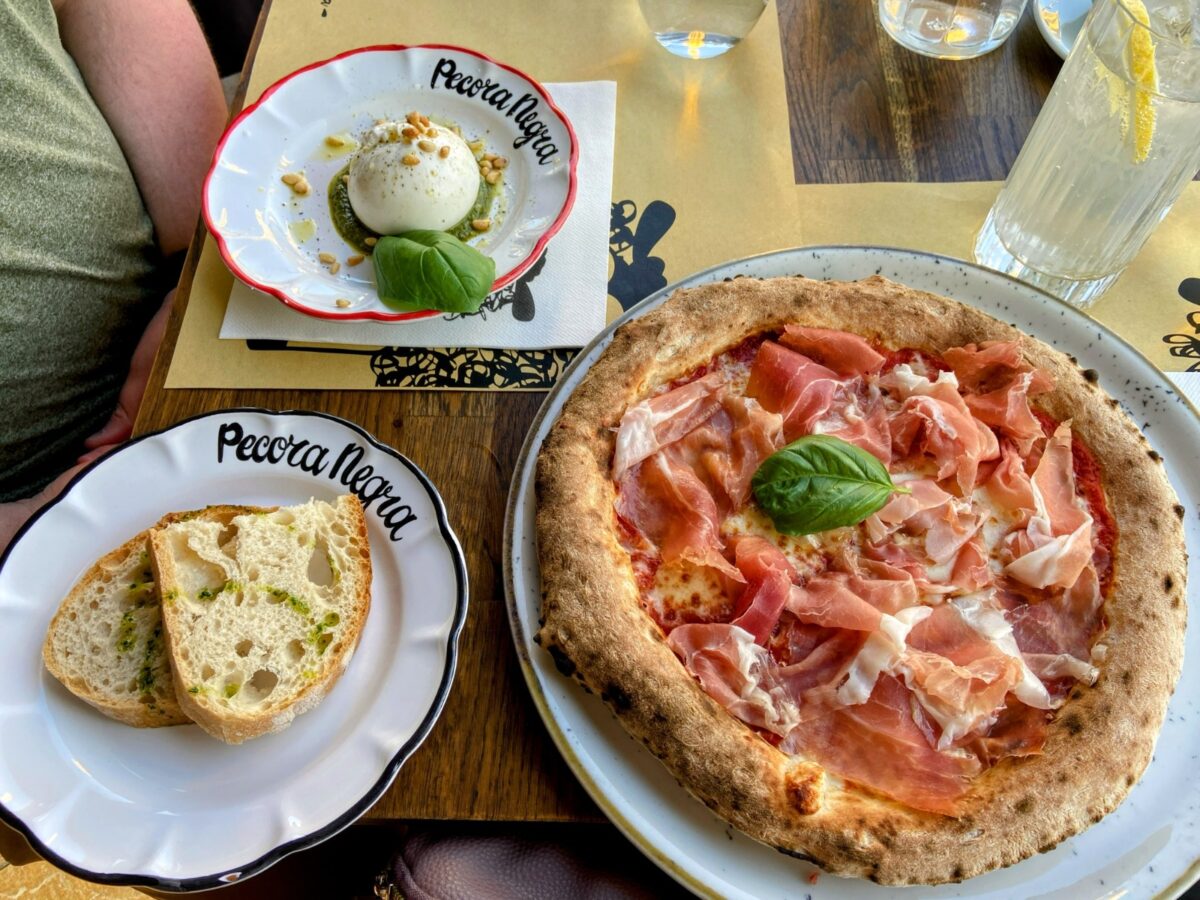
(972, 670)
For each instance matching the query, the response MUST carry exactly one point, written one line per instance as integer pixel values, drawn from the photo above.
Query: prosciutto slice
(858, 415)
(816, 656)
(729, 446)
(901, 763)
(1009, 486)
(845, 353)
(652, 424)
(664, 500)
(958, 674)
(768, 577)
(934, 420)
(985, 367)
(792, 385)
(999, 384)
(737, 673)
(829, 600)
(1056, 546)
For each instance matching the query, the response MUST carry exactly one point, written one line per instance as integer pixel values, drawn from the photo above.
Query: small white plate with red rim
(1147, 847)
(172, 808)
(270, 237)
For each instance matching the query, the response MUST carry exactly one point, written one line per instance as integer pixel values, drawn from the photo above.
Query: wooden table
(862, 109)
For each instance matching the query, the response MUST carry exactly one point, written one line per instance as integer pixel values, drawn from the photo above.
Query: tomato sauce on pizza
(912, 651)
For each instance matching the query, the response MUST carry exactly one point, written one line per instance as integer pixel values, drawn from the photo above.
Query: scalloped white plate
(173, 808)
(1147, 847)
(254, 216)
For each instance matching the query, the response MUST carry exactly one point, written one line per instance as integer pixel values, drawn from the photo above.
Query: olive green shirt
(78, 258)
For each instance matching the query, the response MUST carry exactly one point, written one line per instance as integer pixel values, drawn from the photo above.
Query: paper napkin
(560, 301)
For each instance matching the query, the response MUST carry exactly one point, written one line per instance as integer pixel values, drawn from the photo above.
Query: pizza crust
(1096, 747)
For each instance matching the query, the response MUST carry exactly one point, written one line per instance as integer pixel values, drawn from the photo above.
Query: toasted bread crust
(1097, 746)
(230, 726)
(164, 709)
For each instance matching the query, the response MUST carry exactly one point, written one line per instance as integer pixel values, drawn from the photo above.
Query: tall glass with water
(1111, 151)
(701, 29)
(950, 29)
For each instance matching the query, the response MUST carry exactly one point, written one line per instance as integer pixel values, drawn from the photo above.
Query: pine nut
(410, 160)
(327, 258)
(499, 163)
(481, 224)
(484, 168)
(493, 176)
(408, 131)
(427, 146)
(355, 259)
(444, 152)
(345, 179)
(333, 140)
(476, 146)
(289, 178)
(371, 241)
(342, 302)
(301, 186)
(489, 156)
(413, 119)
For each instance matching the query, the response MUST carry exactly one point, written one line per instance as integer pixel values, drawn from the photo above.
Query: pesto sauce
(126, 632)
(145, 679)
(481, 210)
(319, 636)
(355, 233)
(297, 605)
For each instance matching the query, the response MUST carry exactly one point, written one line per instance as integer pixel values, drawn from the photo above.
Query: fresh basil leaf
(821, 482)
(431, 270)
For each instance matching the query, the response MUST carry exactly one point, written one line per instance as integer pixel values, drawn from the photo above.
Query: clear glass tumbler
(701, 29)
(946, 29)
(1114, 146)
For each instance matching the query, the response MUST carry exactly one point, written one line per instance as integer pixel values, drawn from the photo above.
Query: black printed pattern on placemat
(1182, 344)
(448, 367)
(636, 274)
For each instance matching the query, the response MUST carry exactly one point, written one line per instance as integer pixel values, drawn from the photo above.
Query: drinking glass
(945, 29)
(1114, 146)
(701, 29)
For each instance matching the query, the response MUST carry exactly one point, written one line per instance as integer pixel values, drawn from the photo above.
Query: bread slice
(262, 614)
(105, 643)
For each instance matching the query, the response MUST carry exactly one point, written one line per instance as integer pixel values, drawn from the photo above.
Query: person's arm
(150, 71)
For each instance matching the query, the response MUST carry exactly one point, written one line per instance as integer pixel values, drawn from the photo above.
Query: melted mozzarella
(805, 553)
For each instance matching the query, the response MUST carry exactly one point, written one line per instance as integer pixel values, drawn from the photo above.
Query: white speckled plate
(173, 808)
(258, 221)
(1148, 847)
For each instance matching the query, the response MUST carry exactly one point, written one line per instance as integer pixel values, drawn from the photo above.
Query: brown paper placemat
(702, 174)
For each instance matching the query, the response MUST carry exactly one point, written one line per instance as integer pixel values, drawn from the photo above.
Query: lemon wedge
(1145, 80)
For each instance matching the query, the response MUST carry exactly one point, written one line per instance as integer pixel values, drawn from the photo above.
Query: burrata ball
(398, 185)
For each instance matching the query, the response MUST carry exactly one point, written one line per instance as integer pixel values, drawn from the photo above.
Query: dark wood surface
(865, 109)
(862, 109)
